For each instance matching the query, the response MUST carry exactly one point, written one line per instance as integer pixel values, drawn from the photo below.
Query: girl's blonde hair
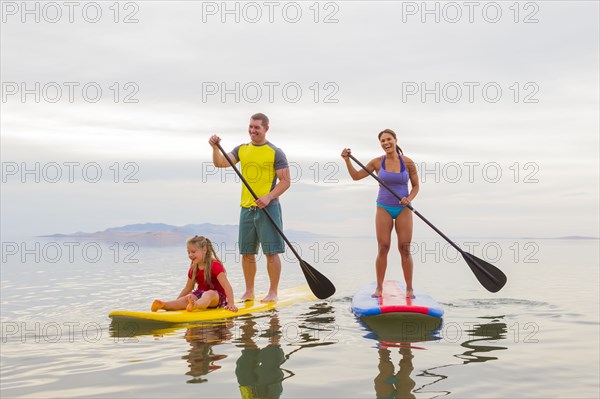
(203, 242)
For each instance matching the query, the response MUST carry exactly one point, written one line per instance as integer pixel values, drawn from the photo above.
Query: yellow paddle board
(287, 297)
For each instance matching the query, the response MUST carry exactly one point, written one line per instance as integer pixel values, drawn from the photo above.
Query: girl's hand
(231, 307)
(404, 201)
(346, 153)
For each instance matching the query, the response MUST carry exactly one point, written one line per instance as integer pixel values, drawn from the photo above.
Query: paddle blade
(488, 275)
(318, 283)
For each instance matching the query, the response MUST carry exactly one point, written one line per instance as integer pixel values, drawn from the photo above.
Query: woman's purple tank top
(398, 182)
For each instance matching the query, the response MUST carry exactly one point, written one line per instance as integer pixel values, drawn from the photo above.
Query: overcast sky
(106, 111)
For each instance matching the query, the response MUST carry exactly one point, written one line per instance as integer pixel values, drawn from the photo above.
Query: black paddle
(318, 283)
(488, 275)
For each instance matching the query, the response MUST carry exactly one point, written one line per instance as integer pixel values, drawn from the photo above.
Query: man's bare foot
(157, 305)
(270, 298)
(248, 296)
(191, 306)
(410, 294)
(377, 293)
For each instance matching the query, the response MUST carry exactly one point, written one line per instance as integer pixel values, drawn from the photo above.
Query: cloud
(180, 74)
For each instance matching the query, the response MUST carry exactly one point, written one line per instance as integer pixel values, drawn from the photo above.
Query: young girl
(213, 291)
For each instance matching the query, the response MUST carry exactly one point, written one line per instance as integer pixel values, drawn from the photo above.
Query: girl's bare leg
(177, 304)
(208, 299)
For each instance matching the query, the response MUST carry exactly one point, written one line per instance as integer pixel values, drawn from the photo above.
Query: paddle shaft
(256, 197)
(409, 206)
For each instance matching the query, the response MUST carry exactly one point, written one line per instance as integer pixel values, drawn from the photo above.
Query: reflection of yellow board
(286, 297)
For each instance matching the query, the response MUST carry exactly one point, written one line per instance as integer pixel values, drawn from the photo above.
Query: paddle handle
(256, 197)
(409, 206)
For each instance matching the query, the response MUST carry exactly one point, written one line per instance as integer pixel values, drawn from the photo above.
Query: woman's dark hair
(390, 131)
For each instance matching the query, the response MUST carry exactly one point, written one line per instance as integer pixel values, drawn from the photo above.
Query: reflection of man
(388, 385)
(258, 371)
(265, 168)
(201, 358)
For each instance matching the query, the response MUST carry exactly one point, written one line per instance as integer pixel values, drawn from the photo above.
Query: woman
(395, 170)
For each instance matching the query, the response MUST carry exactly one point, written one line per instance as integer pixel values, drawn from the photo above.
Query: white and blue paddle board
(393, 302)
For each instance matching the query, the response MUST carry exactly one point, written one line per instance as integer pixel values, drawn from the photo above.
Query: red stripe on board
(389, 344)
(393, 295)
(404, 309)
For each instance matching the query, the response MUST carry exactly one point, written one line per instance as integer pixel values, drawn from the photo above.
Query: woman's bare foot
(377, 293)
(157, 305)
(409, 293)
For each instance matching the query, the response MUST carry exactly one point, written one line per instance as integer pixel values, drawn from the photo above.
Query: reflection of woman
(395, 170)
(388, 385)
(258, 371)
(201, 358)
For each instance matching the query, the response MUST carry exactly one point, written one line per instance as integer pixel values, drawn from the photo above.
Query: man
(265, 168)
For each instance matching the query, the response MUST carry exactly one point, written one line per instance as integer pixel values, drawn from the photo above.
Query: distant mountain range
(166, 234)
(563, 238)
(159, 234)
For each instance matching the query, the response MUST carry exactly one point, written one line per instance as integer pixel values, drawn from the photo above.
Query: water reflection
(202, 338)
(402, 332)
(128, 330)
(258, 369)
(405, 335)
(495, 330)
(398, 330)
(202, 357)
(492, 331)
(317, 326)
(388, 383)
(265, 341)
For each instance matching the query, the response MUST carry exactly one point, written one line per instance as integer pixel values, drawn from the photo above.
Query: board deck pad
(394, 301)
(287, 297)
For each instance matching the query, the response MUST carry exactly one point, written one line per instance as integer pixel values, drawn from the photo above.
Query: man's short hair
(262, 118)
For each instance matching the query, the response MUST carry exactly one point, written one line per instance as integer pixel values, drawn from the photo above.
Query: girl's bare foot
(409, 293)
(377, 293)
(191, 303)
(157, 305)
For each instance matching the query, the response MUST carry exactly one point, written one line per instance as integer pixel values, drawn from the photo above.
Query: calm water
(538, 337)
